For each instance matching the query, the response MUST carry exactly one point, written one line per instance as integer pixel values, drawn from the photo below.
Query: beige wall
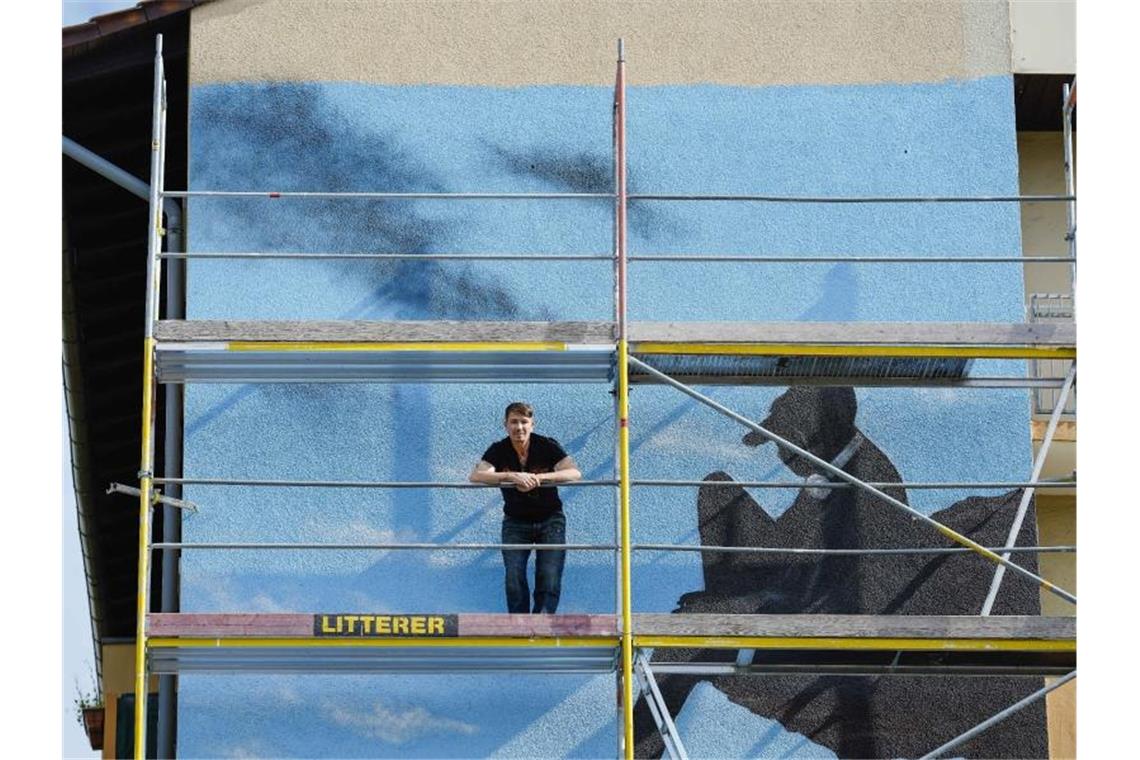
(118, 679)
(526, 42)
(1043, 38)
(1056, 525)
(119, 668)
(1043, 225)
(1061, 461)
(1061, 709)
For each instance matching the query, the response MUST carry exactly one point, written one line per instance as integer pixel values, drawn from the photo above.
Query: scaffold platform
(320, 642)
(912, 353)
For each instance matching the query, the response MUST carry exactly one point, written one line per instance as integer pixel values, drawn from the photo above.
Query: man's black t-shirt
(536, 504)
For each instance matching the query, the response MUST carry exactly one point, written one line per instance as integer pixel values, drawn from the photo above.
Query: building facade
(858, 99)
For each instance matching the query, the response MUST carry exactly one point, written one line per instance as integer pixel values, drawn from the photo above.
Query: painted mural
(853, 716)
(952, 138)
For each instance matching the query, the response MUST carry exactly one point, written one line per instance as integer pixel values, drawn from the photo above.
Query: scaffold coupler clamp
(156, 497)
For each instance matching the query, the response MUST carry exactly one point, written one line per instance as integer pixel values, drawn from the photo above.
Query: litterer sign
(385, 625)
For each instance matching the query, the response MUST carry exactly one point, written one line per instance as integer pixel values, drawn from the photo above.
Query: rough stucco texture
(950, 138)
(517, 42)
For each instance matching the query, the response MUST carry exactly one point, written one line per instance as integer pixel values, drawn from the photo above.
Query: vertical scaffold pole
(619, 577)
(146, 468)
(623, 405)
(1068, 103)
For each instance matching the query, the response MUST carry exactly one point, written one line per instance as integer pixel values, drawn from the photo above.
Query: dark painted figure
(855, 716)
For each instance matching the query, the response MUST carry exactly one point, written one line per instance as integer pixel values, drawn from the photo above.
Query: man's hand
(524, 481)
(484, 472)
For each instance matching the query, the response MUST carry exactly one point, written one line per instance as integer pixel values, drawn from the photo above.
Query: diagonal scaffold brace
(658, 708)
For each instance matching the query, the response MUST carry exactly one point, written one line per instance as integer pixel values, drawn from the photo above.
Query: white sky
(78, 11)
(78, 650)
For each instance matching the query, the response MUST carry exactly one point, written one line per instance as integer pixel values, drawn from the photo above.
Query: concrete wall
(519, 42)
(118, 679)
(1043, 225)
(1043, 37)
(794, 98)
(1057, 525)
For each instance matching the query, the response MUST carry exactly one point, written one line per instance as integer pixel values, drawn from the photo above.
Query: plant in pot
(89, 711)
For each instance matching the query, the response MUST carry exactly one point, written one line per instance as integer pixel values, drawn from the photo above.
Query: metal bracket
(156, 497)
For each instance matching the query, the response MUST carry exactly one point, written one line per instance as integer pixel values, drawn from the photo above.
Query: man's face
(519, 427)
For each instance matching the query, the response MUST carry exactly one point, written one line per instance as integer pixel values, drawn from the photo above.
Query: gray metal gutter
(75, 408)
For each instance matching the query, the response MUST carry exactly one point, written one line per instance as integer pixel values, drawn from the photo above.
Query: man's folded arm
(565, 471)
(484, 472)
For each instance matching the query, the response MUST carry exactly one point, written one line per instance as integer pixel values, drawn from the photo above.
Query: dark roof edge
(99, 28)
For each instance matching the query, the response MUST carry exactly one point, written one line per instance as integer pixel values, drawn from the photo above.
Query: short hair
(520, 407)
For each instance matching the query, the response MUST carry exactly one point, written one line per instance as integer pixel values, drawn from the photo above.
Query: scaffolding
(612, 354)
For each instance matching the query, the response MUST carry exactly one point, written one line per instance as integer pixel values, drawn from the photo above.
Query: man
(526, 461)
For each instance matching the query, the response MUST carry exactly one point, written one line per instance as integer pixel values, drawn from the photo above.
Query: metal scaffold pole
(146, 468)
(1068, 104)
(623, 405)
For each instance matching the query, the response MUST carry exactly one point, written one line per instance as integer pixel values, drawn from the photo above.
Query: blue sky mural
(949, 138)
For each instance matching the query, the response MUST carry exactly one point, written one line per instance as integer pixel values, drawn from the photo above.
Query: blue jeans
(547, 564)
